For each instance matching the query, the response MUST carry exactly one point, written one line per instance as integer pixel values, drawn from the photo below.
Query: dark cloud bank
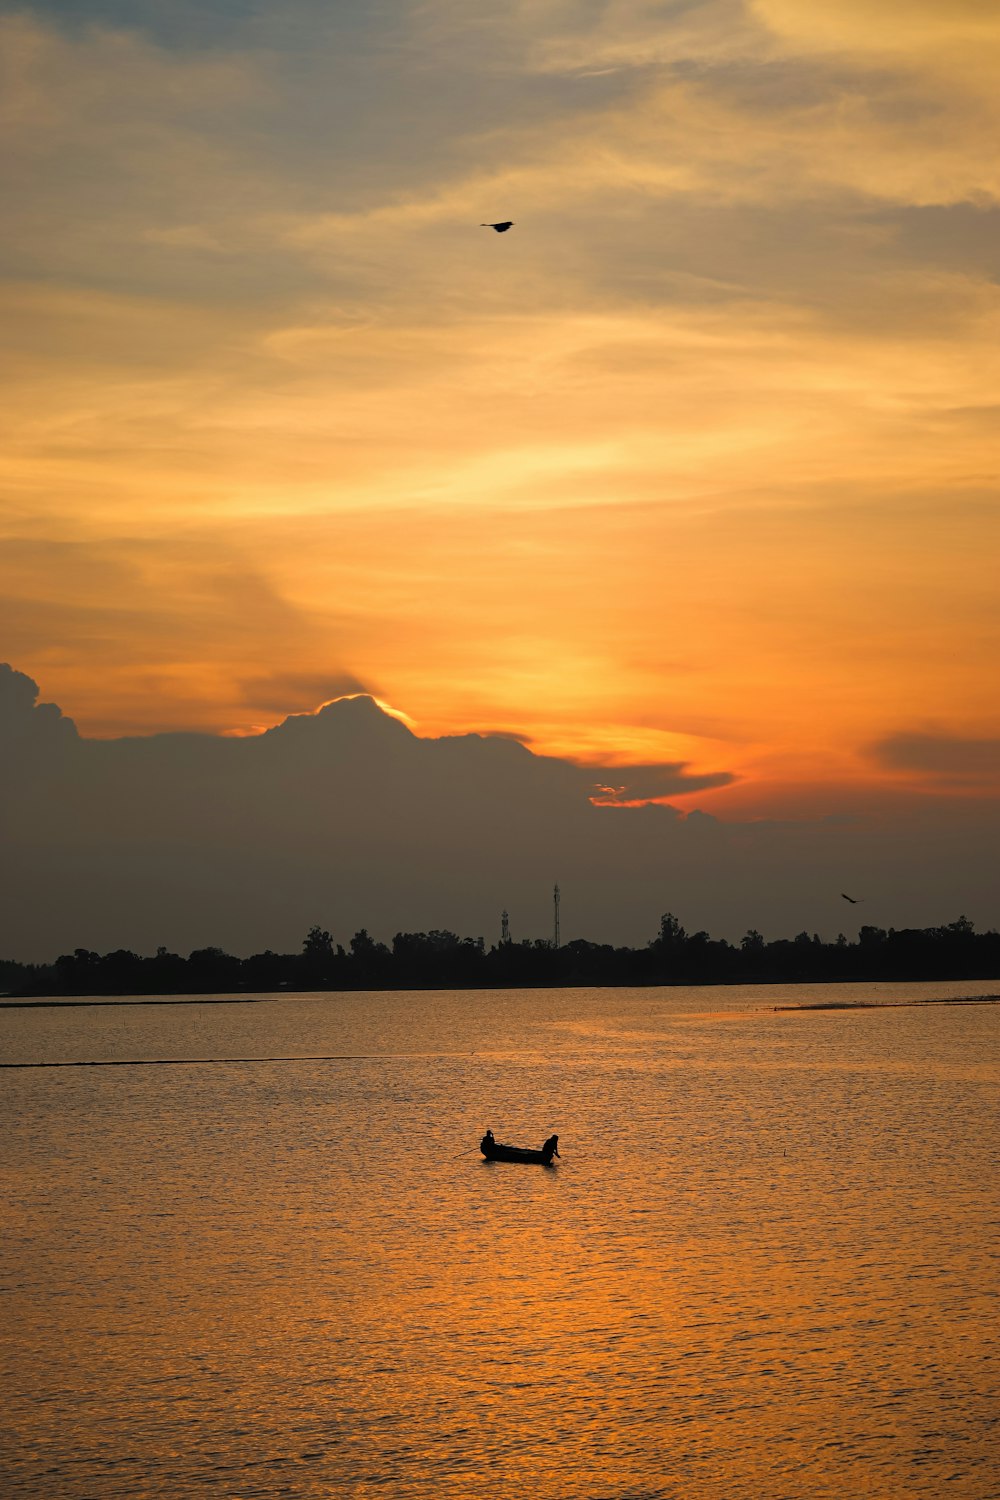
(347, 819)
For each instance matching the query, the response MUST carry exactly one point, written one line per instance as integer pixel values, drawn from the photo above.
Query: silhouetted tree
(370, 961)
(441, 958)
(268, 971)
(212, 969)
(671, 934)
(316, 966)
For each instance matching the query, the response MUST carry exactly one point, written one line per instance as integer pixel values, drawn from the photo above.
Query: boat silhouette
(494, 1150)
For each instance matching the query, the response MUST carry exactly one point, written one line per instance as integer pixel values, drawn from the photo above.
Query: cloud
(347, 818)
(29, 729)
(920, 32)
(952, 759)
(635, 786)
(700, 452)
(346, 809)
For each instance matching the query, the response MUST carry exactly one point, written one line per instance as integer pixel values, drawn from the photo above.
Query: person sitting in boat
(487, 1142)
(551, 1147)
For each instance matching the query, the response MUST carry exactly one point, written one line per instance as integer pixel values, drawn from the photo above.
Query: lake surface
(766, 1265)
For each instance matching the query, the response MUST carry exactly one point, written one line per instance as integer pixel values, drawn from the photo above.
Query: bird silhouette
(851, 899)
(500, 228)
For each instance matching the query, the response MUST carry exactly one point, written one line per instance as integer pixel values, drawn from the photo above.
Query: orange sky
(697, 462)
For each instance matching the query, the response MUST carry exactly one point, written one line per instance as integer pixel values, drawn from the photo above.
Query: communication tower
(555, 905)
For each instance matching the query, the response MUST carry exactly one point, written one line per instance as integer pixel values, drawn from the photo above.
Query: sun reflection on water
(762, 1266)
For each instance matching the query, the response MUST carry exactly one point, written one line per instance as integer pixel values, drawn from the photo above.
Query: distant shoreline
(441, 960)
(70, 1003)
(56, 1003)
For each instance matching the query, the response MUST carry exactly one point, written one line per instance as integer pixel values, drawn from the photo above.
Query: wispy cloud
(704, 448)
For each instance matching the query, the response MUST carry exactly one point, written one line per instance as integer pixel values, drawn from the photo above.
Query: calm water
(766, 1265)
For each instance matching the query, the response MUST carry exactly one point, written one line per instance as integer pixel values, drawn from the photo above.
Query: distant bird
(850, 898)
(500, 228)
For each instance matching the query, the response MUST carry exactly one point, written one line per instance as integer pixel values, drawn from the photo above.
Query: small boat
(494, 1151)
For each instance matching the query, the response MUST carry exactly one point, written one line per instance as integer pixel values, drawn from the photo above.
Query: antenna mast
(555, 904)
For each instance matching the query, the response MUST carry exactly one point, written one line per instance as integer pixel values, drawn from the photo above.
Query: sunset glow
(697, 463)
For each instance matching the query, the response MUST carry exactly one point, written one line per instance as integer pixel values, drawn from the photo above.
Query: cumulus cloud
(27, 726)
(343, 814)
(348, 818)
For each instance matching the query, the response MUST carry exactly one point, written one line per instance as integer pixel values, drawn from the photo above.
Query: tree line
(443, 960)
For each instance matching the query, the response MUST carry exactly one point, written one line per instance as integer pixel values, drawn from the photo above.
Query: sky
(347, 819)
(696, 466)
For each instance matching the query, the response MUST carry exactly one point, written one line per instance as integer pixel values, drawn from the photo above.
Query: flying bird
(851, 899)
(500, 228)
